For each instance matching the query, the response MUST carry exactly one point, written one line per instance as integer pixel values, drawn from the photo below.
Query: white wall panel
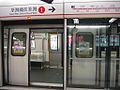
(24, 2)
(92, 8)
(19, 9)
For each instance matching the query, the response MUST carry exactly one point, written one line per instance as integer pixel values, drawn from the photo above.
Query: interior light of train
(79, 48)
(29, 18)
(112, 20)
(47, 1)
(100, 26)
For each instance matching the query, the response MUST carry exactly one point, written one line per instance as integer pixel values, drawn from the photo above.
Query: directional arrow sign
(52, 9)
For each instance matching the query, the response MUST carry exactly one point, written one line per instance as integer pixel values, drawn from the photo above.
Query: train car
(68, 44)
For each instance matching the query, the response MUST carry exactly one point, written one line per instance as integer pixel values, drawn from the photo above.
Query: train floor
(47, 75)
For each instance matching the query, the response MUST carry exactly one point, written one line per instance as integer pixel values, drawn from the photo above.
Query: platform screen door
(18, 56)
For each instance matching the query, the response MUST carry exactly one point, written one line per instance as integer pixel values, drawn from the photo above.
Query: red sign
(41, 9)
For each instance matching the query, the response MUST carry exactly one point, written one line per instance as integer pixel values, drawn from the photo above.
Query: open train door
(18, 56)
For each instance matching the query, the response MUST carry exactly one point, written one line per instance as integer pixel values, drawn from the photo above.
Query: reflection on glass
(102, 40)
(114, 40)
(18, 44)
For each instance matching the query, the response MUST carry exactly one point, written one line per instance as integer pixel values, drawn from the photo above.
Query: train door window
(54, 41)
(84, 45)
(18, 44)
(32, 40)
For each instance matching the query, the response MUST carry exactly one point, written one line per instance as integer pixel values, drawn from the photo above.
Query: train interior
(46, 56)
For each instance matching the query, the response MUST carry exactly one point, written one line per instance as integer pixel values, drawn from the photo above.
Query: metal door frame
(1, 66)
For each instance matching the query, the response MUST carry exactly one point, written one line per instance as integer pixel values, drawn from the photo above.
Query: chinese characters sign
(34, 11)
(92, 8)
(23, 10)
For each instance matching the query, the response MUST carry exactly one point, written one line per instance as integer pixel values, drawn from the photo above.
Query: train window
(32, 40)
(84, 45)
(18, 44)
(55, 41)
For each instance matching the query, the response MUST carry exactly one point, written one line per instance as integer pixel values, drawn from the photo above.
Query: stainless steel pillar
(1, 81)
(65, 52)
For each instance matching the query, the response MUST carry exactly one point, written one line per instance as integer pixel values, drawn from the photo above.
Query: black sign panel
(47, 1)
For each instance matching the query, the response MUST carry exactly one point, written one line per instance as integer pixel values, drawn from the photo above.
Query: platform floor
(39, 88)
(25, 88)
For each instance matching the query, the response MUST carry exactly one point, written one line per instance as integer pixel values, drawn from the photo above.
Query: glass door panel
(93, 53)
(86, 57)
(114, 55)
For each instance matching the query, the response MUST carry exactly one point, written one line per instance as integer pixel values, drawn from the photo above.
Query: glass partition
(93, 53)
(82, 62)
